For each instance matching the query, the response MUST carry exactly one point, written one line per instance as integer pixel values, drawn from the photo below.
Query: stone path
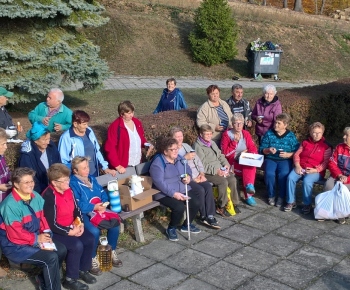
(132, 82)
(261, 248)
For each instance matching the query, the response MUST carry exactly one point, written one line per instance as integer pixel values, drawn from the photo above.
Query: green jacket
(63, 117)
(211, 157)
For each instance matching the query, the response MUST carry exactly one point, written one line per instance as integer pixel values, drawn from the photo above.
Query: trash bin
(265, 62)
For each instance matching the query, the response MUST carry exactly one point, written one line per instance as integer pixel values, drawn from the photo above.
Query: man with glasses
(52, 113)
(240, 105)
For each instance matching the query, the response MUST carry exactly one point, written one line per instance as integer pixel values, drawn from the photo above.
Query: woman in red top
(310, 164)
(233, 142)
(125, 138)
(63, 216)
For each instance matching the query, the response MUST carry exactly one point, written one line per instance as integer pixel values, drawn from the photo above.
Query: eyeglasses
(63, 181)
(238, 123)
(27, 182)
(173, 149)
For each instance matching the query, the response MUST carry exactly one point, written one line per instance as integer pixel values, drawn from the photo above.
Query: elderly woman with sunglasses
(234, 142)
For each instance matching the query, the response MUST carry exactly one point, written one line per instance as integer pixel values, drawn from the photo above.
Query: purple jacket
(269, 112)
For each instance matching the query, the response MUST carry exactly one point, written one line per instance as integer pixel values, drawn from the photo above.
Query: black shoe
(211, 221)
(40, 281)
(237, 210)
(87, 277)
(74, 285)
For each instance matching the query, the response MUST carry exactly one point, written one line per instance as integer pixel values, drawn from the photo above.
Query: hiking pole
(187, 206)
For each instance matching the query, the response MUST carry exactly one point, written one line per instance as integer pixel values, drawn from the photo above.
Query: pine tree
(42, 45)
(214, 37)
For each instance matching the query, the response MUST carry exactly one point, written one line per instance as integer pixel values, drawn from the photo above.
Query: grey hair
(236, 86)
(174, 130)
(237, 117)
(59, 94)
(346, 130)
(269, 87)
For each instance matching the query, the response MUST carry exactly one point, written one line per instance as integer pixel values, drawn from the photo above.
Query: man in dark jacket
(240, 105)
(5, 118)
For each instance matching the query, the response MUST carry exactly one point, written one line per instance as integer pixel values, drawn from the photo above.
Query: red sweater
(60, 209)
(118, 142)
(228, 146)
(313, 155)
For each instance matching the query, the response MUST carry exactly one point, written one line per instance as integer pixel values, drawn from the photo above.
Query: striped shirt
(222, 116)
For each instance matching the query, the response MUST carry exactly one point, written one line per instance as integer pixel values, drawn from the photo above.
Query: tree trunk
(298, 5)
(316, 8)
(285, 3)
(322, 6)
(251, 1)
(264, 3)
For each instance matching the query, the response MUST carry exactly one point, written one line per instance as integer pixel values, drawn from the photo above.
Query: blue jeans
(281, 169)
(308, 183)
(112, 234)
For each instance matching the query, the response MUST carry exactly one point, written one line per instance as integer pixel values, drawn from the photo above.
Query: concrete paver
(158, 277)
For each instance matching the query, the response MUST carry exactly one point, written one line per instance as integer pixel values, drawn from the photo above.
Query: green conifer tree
(213, 39)
(42, 45)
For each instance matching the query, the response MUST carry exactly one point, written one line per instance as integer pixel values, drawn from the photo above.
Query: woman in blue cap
(39, 153)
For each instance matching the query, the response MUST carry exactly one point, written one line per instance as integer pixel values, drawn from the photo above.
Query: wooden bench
(136, 215)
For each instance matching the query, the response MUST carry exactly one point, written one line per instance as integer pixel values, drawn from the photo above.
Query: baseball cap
(6, 93)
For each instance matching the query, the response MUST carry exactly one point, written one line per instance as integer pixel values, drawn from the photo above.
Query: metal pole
(187, 206)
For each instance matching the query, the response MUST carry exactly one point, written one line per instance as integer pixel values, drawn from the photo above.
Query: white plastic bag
(333, 204)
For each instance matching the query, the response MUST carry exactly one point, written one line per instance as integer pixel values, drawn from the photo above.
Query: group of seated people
(53, 186)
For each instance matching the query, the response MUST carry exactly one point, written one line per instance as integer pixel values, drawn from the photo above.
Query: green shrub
(213, 40)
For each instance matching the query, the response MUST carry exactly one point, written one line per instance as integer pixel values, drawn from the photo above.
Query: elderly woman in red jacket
(234, 142)
(125, 138)
(310, 164)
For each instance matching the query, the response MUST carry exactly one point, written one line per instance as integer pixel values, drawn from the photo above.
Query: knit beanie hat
(37, 131)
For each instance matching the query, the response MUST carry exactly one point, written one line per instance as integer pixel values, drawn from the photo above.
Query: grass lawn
(102, 106)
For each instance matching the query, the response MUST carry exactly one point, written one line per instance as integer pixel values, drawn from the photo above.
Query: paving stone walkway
(261, 248)
(132, 82)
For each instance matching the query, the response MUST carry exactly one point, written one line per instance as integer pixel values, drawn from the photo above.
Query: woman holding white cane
(167, 172)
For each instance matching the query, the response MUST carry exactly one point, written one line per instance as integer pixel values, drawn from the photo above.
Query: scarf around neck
(206, 143)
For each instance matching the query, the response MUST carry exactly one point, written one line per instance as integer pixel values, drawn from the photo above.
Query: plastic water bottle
(114, 197)
(104, 254)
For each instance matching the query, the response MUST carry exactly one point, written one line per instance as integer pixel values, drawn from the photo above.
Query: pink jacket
(269, 112)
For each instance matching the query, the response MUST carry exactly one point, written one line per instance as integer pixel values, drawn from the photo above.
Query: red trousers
(246, 172)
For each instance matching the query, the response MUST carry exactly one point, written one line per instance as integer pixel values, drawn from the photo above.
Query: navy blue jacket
(30, 157)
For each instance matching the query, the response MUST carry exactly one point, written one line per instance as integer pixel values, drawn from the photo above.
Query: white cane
(187, 207)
